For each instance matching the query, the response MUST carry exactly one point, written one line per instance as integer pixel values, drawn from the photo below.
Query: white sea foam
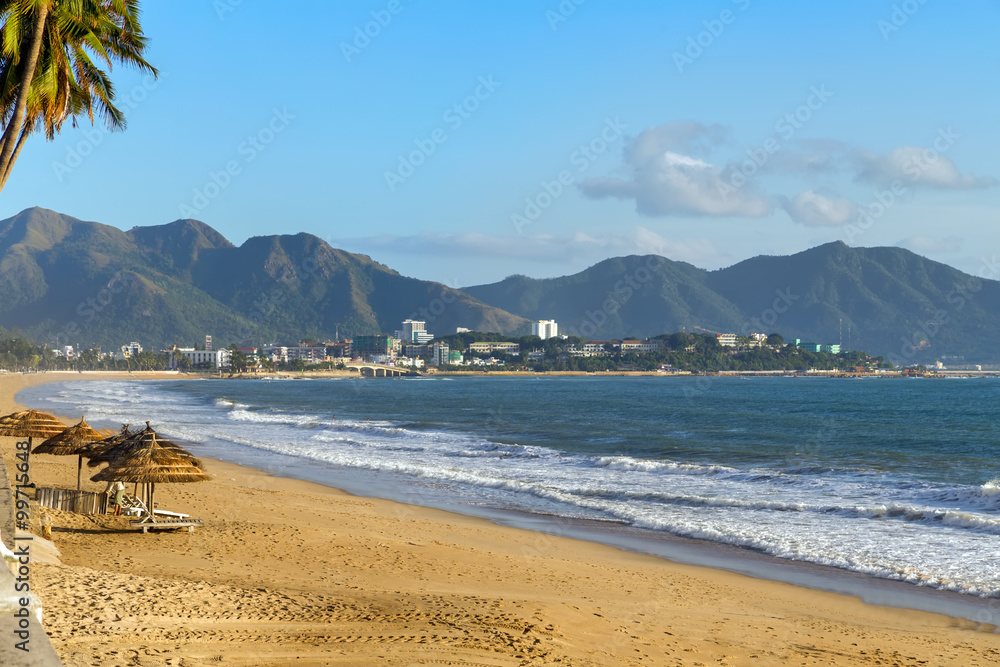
(862, 520)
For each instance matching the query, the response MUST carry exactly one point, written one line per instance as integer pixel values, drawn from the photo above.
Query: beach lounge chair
(158, 518)
(133, 506)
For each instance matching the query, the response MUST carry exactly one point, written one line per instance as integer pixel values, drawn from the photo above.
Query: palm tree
(48, 72)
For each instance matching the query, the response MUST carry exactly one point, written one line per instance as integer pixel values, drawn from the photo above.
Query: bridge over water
(379, 370)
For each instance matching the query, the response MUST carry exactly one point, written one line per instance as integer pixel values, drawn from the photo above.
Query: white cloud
(917, 166)
(819, 209)
(663, 181)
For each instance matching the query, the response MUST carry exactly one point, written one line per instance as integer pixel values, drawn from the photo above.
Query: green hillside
(66, 281)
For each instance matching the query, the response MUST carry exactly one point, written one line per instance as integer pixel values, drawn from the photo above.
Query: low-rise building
(640, 346)
(131, 350)
(490, 347)
(276, 353)
(726, 339)
(365, 347)
(214, 359)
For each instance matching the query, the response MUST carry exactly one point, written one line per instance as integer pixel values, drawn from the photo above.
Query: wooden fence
(71, 500)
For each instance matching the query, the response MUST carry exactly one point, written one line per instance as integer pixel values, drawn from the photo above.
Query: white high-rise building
(545, 329)
(410, 330)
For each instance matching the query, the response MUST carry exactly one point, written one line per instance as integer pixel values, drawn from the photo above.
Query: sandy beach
(286, 572)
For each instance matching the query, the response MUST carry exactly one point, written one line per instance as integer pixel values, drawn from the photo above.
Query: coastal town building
(490, 347)
(726, 339)
(639, 346)
(545, 329)
(212, 358)
(366, 347)
(832, 348)
(440, 354)
(338, 350)
(414, 331)
(310, 354)
(131, 350)
(275, 353)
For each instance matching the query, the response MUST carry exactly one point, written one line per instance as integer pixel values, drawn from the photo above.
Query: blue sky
(462, 142)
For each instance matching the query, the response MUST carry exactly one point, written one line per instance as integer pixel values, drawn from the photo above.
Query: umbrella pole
(152, 513)
(79, 472)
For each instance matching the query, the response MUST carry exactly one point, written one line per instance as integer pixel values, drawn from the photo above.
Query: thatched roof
(97, 448)
(70, 441)
(151, 462)
(30, 424)
(124, 447)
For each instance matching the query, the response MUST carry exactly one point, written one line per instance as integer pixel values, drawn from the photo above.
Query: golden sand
(291, 573)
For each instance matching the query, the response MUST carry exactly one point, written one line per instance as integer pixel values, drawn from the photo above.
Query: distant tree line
(20, 354)
(682, 351)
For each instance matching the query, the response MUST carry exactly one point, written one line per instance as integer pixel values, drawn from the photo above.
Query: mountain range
(66, 281)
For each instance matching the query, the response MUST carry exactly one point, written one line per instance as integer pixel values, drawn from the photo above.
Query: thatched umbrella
(30, 424)
(100, 447)
(69, 442)
(150, 462)
(122, 444)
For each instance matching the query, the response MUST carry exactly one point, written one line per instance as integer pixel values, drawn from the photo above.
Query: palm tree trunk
(11, 134)
(13, 158)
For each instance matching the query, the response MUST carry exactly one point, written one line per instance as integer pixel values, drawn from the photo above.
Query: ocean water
(893, 478)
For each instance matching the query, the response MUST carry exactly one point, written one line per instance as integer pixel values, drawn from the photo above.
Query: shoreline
(459, 567)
